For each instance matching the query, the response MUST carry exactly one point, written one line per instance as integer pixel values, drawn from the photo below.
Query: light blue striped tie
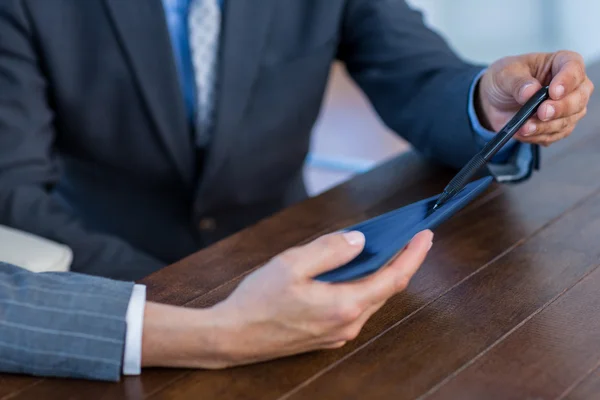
(205, 30)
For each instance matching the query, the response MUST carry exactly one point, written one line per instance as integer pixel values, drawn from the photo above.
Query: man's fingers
(553, 127)
(323, 254)
(394, 278)
(519, 82)
(553, 131)
(568, 71)
(570, 104)
(529, 129)
(547, 140)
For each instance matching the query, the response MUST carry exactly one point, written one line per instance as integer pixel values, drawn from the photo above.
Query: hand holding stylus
(510, 82)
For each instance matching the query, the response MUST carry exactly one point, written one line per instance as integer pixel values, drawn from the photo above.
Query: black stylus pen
(492, 147)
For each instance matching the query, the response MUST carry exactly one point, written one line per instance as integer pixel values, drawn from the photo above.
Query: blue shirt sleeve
(485, 135)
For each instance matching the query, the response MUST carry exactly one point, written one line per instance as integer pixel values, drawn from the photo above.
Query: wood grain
(10, 385)
(559, 345)
(588, 389)
(129, 388)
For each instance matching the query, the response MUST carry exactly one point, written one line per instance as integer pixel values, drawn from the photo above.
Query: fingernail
(411, 243)
(430, 246)
(560, 90)
(531, 128)
(550, 111)
(354, 238)
(523, 89)
(432, 235)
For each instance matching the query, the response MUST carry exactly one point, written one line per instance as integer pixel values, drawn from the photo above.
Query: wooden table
(506, 306)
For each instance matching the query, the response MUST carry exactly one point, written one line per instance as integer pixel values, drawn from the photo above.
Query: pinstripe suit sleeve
(62, 324)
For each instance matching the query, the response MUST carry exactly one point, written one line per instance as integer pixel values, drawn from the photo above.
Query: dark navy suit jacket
(96, 151)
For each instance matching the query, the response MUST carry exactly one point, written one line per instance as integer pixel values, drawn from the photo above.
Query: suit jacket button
(207, 224)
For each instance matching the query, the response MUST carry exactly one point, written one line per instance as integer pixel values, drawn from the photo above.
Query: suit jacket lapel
(245, 30)
(142, 29)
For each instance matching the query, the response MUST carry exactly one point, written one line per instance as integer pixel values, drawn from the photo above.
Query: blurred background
(349, 137)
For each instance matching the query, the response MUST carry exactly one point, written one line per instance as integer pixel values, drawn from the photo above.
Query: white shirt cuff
(132, 357)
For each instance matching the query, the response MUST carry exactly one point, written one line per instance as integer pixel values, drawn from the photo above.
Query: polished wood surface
(506, 306)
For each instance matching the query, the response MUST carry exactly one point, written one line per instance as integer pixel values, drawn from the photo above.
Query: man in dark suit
(138, 131)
